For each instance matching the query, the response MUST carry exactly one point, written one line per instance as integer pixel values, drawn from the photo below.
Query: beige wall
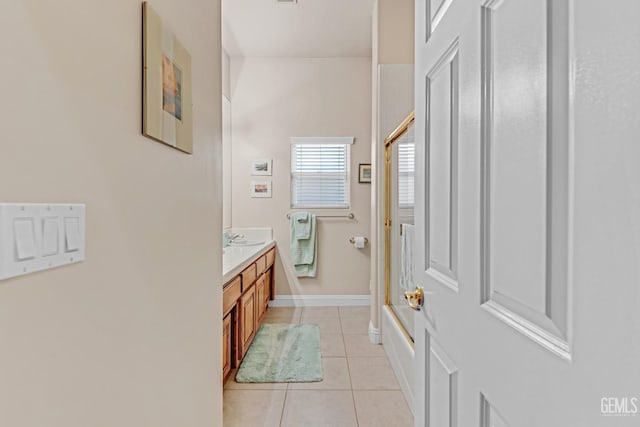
(393, 36)
(374, 245)
(132, 336)
(395, 31)
(274, 99)
(226, 140)
(227, 173)
(226, 74)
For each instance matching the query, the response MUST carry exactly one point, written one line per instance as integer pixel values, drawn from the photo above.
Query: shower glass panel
(401, 202)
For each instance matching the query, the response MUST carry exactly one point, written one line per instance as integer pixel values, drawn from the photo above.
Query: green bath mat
(283, 353)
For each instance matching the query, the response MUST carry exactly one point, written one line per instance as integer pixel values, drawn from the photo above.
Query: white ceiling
(310, 28)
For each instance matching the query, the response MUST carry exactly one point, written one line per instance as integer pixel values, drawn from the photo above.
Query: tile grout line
(286, 390)
(353, 397)
(284, 403)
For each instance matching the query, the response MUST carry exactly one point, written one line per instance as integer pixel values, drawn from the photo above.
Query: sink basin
(234, 251)
(246, 243)
(238, 252)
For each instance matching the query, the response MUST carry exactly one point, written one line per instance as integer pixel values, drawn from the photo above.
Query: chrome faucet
(235, 236)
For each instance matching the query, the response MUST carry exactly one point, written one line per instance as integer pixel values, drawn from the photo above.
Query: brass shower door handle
(415, 298)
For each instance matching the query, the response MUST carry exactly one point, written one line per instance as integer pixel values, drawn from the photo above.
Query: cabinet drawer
(248, 276)
(261, 265)
(232, 292)
(271, 257)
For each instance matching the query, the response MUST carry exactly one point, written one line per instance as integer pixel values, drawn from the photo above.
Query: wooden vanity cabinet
(245, 301)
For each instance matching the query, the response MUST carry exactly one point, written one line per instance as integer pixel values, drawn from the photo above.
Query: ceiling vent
(286, 1)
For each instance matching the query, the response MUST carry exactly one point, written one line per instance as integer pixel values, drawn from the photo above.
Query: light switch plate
(39, 236)
(72, 234)
(50, 236)
(24, 239)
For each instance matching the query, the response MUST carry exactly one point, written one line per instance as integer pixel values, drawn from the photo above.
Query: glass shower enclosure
(399, 222)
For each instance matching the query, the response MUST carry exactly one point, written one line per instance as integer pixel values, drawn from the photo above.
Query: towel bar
(350, 215)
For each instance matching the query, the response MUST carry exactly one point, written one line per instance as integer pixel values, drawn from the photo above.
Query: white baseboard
(319, 300)
(374, 334)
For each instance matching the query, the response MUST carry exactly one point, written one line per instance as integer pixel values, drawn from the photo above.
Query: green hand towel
(304, 251)
(302, 225)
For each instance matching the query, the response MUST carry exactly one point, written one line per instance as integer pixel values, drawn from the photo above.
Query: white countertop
(237, 258)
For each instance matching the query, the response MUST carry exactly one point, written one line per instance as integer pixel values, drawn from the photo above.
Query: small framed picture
(261, 167)
(260, 189)
(364, 173)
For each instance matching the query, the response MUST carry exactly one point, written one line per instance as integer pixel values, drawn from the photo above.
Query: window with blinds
(320, 172)
(406, 175)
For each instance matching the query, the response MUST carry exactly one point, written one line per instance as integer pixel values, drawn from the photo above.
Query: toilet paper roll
(358, 242)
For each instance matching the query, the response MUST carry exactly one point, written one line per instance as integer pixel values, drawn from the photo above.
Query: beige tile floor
(359, 387)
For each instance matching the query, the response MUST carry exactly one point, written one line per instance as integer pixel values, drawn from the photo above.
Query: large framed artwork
(166, 75)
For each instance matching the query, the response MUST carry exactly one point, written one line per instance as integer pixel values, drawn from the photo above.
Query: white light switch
(50, 236)
(40, 236)
(72, 234)
(24, 238)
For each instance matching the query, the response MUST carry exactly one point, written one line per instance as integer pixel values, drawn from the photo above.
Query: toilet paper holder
(352, 240)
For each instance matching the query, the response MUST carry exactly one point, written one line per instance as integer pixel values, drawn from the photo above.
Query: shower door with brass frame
(399, 173)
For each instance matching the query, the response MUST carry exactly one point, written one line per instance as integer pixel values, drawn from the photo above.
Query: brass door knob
(415, 298)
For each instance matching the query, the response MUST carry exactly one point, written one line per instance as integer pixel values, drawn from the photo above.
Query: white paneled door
(528, 213)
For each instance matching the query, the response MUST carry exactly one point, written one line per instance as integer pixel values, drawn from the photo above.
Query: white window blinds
(406, 175)
(320, 172)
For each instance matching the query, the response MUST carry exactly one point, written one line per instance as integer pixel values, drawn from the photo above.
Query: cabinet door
(247, 317)
(226, 346)
(267, 288)
(261, 296)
